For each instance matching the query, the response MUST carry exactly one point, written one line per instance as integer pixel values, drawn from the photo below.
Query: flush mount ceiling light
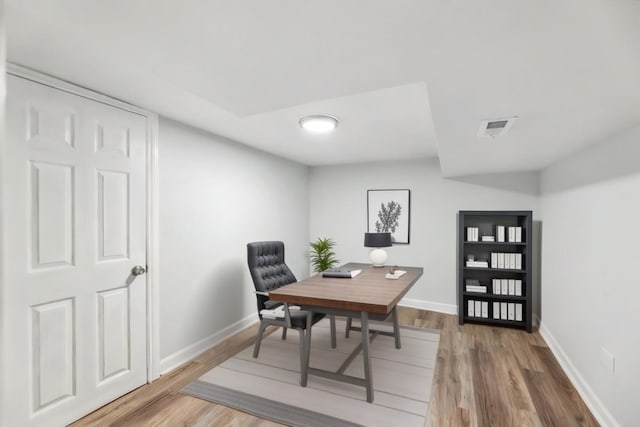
(318, 123)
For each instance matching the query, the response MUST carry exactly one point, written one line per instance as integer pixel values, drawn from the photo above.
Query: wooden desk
(367, 295)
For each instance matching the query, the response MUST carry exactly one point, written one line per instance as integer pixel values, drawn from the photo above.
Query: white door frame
(152, 345)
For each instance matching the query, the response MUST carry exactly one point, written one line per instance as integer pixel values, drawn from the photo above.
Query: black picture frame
(382, 208)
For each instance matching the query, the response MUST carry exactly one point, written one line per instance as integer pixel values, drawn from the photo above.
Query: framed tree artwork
(389, 211)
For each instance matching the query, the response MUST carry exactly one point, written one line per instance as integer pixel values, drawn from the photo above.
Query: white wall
(3, 95)
(215, 197)
(338, 204)
(591, 283)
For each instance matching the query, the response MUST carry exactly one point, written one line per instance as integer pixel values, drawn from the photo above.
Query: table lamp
(377, 241)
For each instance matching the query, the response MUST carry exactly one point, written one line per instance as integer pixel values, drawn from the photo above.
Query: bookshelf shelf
(496, 243)
(499, 305)
(483, 296)
(494, 321)
(505, 270)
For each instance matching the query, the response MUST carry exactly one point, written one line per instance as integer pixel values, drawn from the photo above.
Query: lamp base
(378, 257)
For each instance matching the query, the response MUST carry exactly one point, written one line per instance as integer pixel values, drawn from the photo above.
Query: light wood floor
(485, 376)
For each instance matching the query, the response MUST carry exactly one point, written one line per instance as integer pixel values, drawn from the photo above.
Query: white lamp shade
(378, 257)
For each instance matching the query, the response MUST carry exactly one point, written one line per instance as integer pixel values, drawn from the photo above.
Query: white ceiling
(407, 79)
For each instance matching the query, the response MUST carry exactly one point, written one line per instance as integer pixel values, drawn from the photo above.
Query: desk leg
(332, 320)
(364, 320)
(396, 326)
(305, 354)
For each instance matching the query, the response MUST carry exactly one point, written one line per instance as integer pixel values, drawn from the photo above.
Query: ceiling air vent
(495, 127)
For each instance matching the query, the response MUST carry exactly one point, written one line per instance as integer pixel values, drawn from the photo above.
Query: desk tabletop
(369, 291)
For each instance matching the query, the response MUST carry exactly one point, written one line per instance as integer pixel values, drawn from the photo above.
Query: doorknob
(138, 270)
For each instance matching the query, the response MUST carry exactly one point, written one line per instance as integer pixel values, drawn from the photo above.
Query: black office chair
(269, 272)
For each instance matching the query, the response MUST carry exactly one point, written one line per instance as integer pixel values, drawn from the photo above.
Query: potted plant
(322, 255)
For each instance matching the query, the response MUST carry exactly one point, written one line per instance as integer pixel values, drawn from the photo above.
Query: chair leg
(256, 347)
(284, 333)
(332, 321)
(348, 328)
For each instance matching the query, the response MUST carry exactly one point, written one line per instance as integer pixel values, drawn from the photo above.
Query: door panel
(113, 317)
(113, 215)
(51, 124)
(51, 215)
(76, 226)
(52, 353)
(110, 137)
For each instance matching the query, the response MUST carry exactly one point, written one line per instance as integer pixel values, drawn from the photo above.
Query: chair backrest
(267, 268)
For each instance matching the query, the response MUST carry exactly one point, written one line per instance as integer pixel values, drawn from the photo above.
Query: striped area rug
(269, 386)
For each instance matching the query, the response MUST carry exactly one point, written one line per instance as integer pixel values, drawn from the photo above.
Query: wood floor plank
(484, 376)
(491, 405)
(568, 396)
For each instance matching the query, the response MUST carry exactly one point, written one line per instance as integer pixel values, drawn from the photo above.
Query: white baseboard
(176, 359)
(429, 305)
(598, 409)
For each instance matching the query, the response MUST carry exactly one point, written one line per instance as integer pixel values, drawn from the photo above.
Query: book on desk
(395, 275)
(341, 273)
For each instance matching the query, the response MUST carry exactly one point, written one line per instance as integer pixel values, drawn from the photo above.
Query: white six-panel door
(75, 219)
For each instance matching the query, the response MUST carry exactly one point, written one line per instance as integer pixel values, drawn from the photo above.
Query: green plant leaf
(322, 255)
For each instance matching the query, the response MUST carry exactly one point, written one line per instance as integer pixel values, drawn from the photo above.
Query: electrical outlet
(608, 359)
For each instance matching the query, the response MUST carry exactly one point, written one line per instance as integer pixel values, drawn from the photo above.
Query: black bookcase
(509, 274)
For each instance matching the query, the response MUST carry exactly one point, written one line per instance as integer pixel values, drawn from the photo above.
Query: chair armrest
(285, 306)
(268, 304)
(287, 315)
